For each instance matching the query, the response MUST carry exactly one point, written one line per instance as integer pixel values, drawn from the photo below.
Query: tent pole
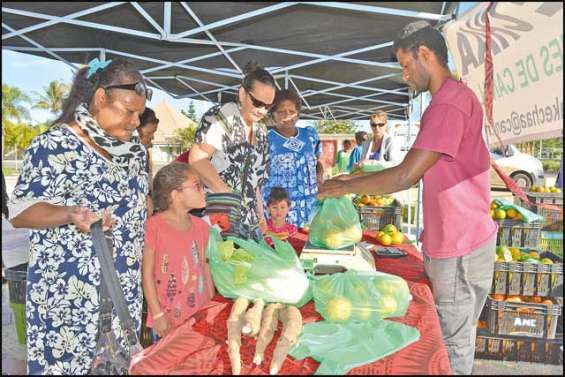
(409, 214)
(286, 79)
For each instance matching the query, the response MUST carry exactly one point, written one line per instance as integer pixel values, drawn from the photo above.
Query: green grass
(9, 171)
(551, 166)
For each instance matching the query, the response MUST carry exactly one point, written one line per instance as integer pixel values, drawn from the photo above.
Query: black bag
(111, 358)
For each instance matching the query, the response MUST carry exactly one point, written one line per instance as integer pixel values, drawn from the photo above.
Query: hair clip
(95, 65)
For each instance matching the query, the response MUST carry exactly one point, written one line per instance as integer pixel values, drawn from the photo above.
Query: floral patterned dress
(293, 167)
(62, 297)
(242, 165)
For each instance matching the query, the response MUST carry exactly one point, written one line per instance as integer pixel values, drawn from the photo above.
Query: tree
(336, 126)
(191, 113)
(13, 108)
(184, 137)
(52, 97)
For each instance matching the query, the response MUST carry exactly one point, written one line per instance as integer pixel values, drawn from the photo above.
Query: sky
(28, 73)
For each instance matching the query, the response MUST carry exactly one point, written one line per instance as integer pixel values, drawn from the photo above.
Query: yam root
(292, 327)
(269, 324)
(235, 322)
(252, 319)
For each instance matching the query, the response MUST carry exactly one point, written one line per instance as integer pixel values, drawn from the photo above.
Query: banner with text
(527, 49)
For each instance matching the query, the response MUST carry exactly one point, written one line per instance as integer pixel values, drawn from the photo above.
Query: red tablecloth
(203, 349)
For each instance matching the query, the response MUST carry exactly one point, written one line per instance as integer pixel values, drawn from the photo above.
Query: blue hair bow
(95, 65)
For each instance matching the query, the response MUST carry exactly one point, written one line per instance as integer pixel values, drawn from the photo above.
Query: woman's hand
(161, 326)
(83, 218)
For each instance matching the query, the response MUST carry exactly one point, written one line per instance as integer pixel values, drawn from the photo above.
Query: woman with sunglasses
(230, 153)
(294, 154)
(381, 147)
(89, 164)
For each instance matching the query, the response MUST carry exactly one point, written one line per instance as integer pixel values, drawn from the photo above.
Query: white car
(524, 169)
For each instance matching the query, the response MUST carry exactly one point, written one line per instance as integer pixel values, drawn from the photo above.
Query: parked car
(524, 169)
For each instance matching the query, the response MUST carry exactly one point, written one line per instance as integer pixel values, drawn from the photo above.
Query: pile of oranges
(501, 214)
(390, 235)
(542, 189)
(530, 299)
(375, 200)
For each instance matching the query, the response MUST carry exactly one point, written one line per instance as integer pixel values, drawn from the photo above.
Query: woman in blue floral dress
(87, 165)
(294, 153)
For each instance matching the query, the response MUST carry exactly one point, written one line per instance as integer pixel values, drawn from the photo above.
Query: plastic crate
(17, 278)
(529, 279)
(552, 241)
(519, 234)
(507, 348)
(553, 219)
(375, 218)
(522, 319)
(545, 197)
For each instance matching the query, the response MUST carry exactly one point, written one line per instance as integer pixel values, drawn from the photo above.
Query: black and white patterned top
(235, 159)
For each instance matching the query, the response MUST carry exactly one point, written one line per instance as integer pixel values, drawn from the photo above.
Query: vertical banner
(527, 50)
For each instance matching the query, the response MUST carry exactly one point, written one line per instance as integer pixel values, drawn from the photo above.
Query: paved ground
(14, 251)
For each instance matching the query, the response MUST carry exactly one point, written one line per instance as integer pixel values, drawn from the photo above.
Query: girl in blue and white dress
(294, 153)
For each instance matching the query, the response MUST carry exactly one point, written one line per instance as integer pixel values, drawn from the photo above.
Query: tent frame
(162, 31)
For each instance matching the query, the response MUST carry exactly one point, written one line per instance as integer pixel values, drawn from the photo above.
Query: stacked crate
(552, 227)
(522, 318)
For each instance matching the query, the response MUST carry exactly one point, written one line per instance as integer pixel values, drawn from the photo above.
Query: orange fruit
(497, 297)
(491, 213)
(385, 239)
(512, 213)
(364, 199)
(547, 302)
(500, 214)
(493, 205)
(536, 299)
(397, 238)
(513, 299)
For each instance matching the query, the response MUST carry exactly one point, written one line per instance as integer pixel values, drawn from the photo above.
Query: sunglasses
(378, 124)
(256, 103)
(139, 87)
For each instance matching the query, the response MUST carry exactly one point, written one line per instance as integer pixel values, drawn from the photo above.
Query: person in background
(88, 165)
(176, 278)
(278, 206)
(355, 157)
(294, 154)
(230, 152)
(559, 179)
(449, 153)
(148, 123)
(342, 158)
(381, 147)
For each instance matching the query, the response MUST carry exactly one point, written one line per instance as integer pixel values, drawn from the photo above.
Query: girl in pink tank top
(176, 278)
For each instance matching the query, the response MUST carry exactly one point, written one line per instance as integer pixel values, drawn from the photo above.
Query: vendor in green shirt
(342, 159)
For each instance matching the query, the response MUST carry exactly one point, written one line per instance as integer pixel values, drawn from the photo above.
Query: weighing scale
(326, 261)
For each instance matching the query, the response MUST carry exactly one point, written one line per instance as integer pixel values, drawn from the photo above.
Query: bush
(551, 166)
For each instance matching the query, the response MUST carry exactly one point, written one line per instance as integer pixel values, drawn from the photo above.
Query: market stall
(204, 349)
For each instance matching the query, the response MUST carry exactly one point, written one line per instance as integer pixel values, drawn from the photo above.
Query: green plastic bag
(255, 270)
(527, 215)
(335, 224)
(342, 347)
(371, 166)
(360, 296)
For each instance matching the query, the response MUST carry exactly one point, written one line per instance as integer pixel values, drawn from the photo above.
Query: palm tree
(52, 97)
(13, 108)
(13, 100)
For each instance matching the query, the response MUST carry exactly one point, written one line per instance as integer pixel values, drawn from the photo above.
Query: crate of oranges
(517, 226)
(534, 317)
(376, 211)
(508, 348)
(523, 271)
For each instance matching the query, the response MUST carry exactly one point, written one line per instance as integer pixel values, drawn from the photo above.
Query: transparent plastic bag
(245, 268)
(335, 224)
(341, 347)
(355, 296)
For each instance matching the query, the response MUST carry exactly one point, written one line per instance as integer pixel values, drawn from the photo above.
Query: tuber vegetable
(252, 319)
(235, 322)
(292, 327)
(269, 324)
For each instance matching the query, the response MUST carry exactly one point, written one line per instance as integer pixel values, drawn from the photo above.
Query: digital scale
(326, 261)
